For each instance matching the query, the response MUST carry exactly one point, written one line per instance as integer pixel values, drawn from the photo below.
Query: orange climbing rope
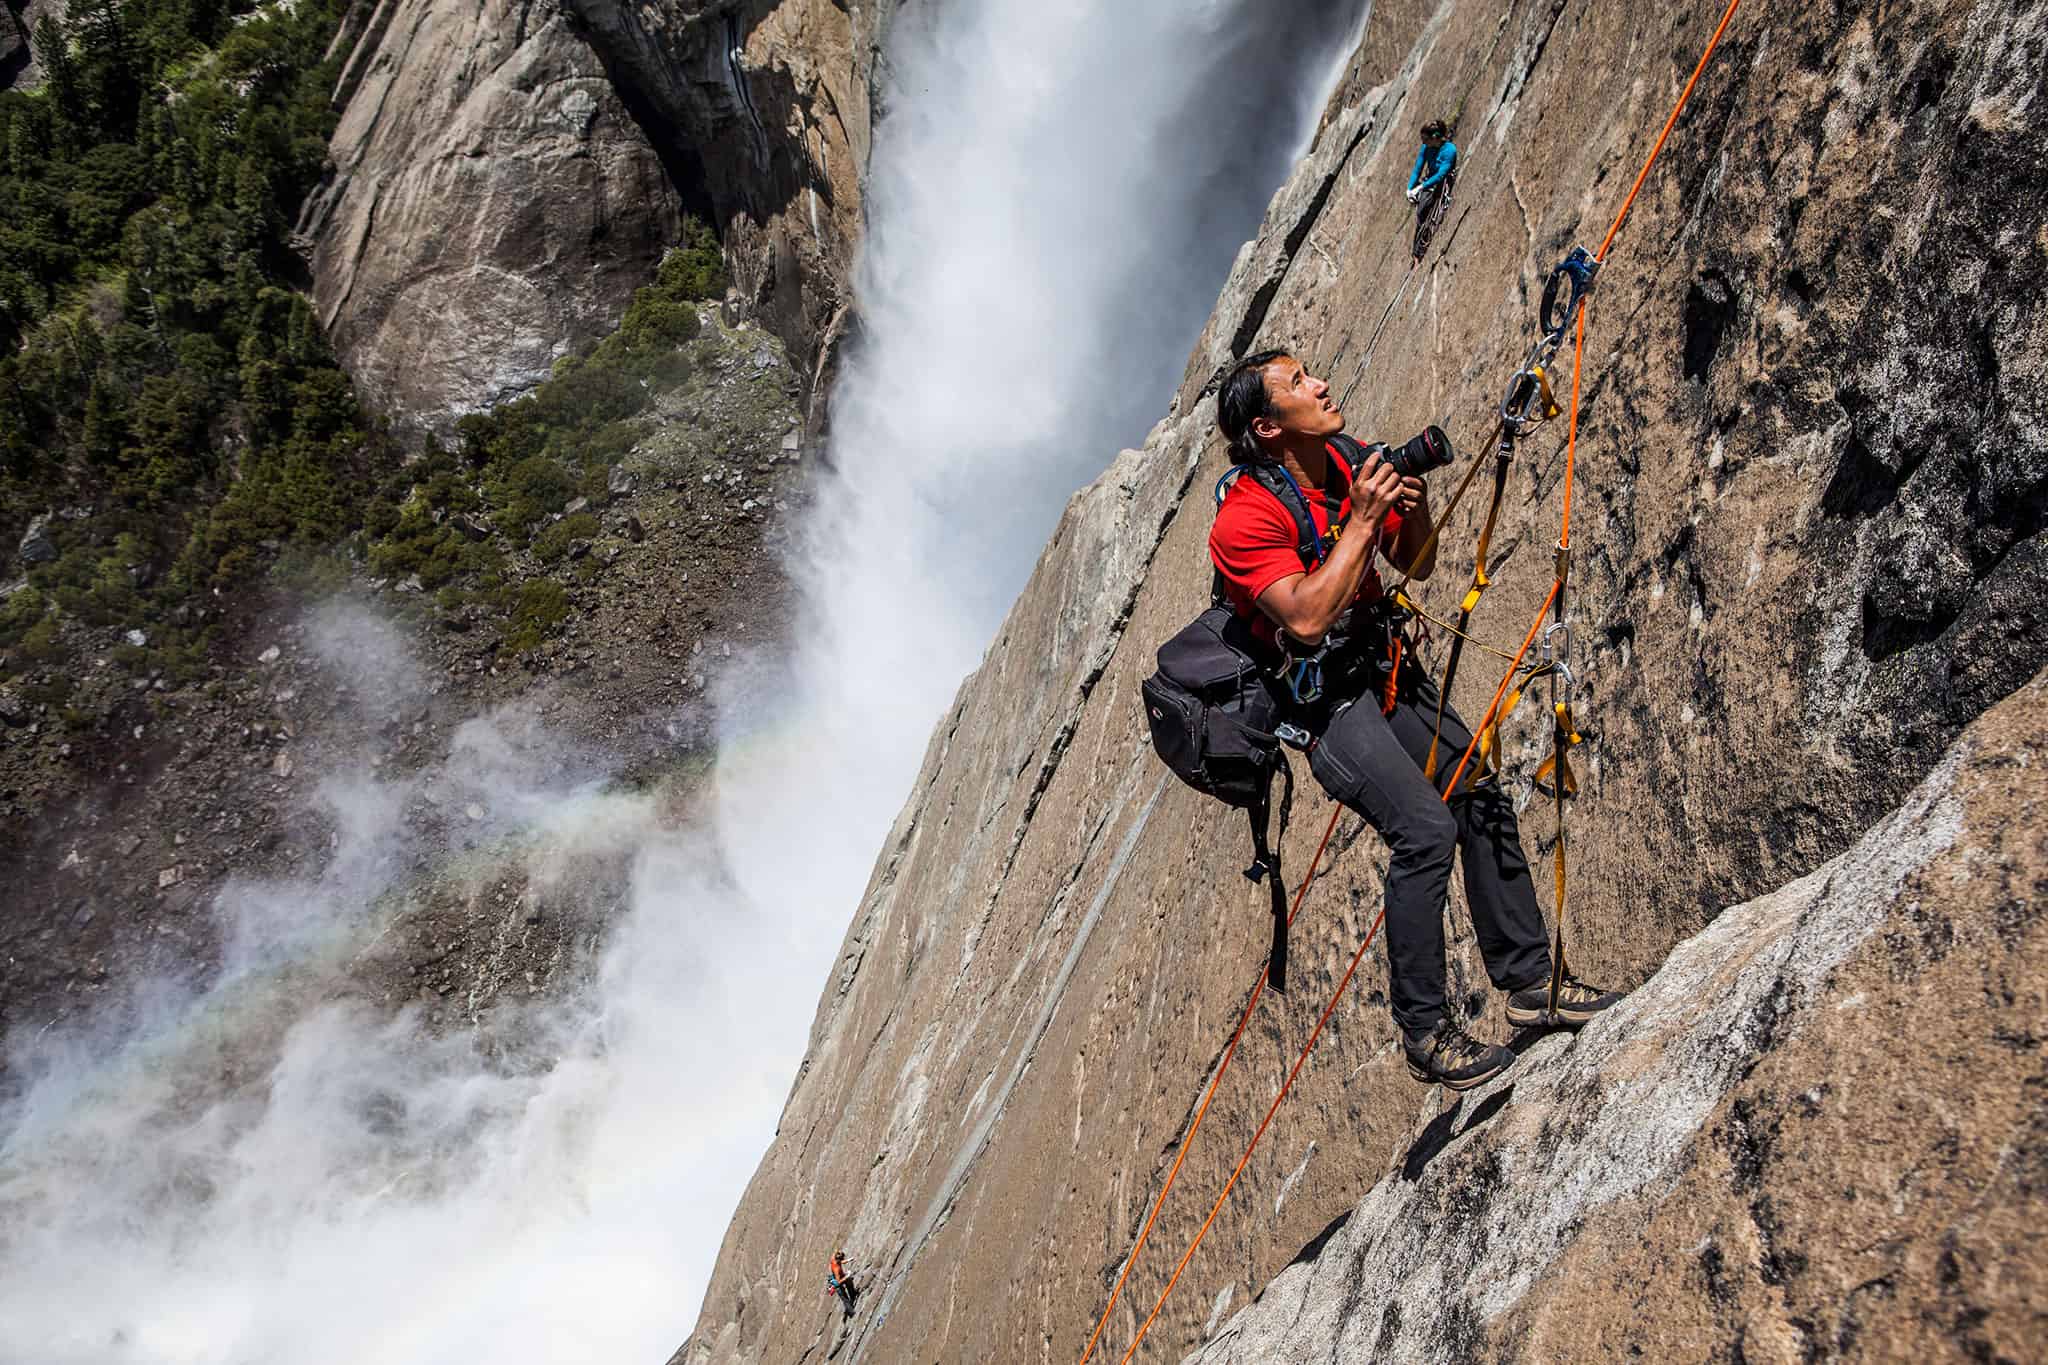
(1187, 1140)
(1551, 598)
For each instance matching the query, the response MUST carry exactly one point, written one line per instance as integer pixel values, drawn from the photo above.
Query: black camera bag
(1213, 707)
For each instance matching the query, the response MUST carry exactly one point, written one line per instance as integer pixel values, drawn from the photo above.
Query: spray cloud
(1057, 192)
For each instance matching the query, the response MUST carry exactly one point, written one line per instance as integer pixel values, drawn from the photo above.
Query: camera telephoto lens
(1430, 450)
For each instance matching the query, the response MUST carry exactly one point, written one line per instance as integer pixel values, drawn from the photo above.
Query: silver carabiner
(1558, 657)
(1529, 402)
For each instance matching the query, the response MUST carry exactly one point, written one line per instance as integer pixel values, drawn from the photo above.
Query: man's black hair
(1435, 131)
(1241, 399)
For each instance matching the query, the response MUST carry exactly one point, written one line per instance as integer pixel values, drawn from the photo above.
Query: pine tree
(70, 120)
(106, 420)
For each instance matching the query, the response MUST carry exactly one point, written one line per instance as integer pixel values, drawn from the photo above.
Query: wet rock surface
(1806, 522)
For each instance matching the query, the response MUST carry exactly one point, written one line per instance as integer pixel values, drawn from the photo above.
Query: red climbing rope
(1556, 588)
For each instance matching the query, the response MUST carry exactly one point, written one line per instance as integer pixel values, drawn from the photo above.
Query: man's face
(1301, 404)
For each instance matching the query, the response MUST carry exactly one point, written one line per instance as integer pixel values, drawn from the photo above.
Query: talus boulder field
(1808, 556)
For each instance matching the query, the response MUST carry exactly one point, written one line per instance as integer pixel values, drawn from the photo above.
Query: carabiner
(1557, 656)
(1305, 679)
(1580, 268)
(1529, 402)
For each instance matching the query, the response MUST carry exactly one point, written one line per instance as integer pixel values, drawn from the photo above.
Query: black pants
(1425, 212)
(1373, 764)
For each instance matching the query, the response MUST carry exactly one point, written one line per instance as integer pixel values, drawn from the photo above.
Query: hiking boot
(1577, 1003)
(1450, 1057)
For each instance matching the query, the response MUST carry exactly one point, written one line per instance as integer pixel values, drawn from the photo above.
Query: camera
(1418, 455)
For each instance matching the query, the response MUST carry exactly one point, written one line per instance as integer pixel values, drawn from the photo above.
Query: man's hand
(1414, 493)
(1377, 489)
(1413, 194)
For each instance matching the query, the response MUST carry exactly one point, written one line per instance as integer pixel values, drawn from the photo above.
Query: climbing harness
(1554, 665)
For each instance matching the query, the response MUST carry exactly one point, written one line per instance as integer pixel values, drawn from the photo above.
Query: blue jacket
(1446, 157)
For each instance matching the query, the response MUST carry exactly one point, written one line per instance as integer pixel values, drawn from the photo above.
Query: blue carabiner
(1305, 680)
(1579, 268)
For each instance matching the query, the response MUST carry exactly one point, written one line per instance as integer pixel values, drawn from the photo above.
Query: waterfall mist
(1056, 195)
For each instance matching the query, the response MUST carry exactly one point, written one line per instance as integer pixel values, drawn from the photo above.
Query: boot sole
(1521, 1018)
(1449, 1084)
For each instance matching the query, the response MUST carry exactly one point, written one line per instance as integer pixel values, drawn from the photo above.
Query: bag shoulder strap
(1352, 455)
(1308, 541)
(1266, 867)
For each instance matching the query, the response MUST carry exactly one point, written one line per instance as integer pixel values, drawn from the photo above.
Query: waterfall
(1057, 193)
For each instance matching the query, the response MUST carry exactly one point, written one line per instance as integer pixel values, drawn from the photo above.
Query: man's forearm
(1325, 593)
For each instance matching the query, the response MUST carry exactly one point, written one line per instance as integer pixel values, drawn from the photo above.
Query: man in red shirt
(1331, 614)
(837, 1281)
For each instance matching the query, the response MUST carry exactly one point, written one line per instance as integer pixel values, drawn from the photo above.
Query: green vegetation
(156, 367)
(523, 463)
(165, 385)
(551, 441)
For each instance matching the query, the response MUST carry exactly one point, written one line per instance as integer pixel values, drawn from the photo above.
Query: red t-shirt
(1253, 544)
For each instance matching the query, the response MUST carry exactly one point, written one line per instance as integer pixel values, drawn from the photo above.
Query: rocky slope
(1808, 521)
(505, 175)
(381, 748)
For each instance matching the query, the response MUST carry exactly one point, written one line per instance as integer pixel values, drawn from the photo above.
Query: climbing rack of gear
(1529, 402)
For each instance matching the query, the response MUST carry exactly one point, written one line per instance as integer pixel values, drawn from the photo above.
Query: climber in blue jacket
(1430, 181)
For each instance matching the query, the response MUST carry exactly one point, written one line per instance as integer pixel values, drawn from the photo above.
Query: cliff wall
(1730, 1167)
(1808, 527)
(506, 175)
(492, 207)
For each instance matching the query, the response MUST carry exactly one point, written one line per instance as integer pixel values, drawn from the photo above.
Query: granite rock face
(1807, 523)
(763, 112)
(492, 208)
(1731, 1165)
(20, 67)
(506, 175)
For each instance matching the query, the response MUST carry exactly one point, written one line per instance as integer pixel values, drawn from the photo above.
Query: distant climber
(1334, 614)
(1431, 182)
(839, 1281)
